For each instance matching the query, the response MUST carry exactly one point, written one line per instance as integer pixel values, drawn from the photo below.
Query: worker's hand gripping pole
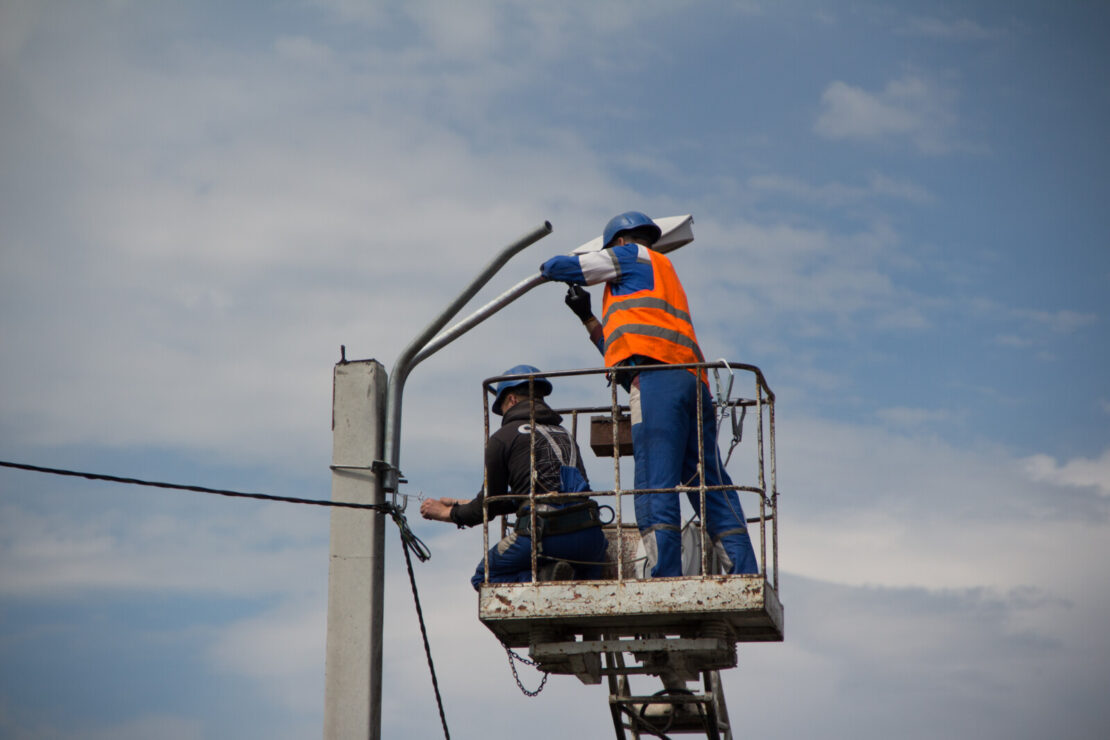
(412, 354)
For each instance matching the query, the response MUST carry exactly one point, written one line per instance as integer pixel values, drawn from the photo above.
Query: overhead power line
(197, 489)
(410, 539)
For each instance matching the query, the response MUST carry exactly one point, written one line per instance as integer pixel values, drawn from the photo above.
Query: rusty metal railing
(764, 485)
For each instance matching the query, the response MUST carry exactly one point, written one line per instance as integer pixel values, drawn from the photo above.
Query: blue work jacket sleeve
(627, 268)
(565, 269)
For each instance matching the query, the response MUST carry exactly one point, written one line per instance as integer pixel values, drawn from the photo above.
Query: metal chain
(512, 664)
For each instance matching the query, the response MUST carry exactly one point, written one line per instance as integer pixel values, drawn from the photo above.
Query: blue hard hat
(542, 385)
(626, 222)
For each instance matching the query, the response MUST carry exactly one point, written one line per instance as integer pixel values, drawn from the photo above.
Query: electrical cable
(197, 489)
(406, 545)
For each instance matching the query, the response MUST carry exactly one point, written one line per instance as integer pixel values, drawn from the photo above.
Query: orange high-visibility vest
(654, 323)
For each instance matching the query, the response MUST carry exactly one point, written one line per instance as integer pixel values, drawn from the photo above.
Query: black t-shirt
(509, 461)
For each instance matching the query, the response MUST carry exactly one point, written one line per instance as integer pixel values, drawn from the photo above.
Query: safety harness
(550, 521)
(564, 517)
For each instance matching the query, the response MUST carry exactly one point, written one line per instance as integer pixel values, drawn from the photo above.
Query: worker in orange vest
(646, 321)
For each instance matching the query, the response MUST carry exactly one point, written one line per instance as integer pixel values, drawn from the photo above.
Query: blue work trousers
(510, 560)
(665, 447)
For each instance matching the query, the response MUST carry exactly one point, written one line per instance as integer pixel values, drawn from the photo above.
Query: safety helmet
(542, 385)
(626, 222)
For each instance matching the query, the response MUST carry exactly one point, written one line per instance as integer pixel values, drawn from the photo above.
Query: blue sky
(900, 217)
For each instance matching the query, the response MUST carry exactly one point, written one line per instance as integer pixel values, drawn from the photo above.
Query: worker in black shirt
(572, 544)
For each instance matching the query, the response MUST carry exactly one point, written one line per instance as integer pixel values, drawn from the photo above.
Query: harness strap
(565, 520)
(571, 458)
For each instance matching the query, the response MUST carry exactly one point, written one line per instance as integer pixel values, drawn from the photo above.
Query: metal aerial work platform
(616, 627)
(679, 629)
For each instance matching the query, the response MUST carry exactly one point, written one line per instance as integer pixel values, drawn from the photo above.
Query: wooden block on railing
(601, 436)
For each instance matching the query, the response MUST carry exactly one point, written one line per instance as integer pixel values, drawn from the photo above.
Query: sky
(900, 217)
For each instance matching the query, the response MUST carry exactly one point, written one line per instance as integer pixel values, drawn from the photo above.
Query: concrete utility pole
(366, 428)
(353, 682)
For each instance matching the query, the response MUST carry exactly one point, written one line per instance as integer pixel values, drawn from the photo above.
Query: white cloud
(20, 19)
(1032, 325)
(1013, 340)
(913, 417)
(835, 195)
(971, 650)
(902, 189)
(1081, 472)
(304, 50)
(823, 282)
(162, 726)
(1062, 322)
(496, 29)
(852, 112)
(281, 650)
(454, 30)
(904, 317)
(911, 107)
(960, 29)
(143, 728)
(369, 14)
(902, 509)
(226, 552)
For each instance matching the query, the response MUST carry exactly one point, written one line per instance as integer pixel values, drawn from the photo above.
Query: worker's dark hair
(641, 235)
(521, 391)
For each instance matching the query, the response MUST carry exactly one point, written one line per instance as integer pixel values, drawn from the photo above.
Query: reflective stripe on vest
(654, 323)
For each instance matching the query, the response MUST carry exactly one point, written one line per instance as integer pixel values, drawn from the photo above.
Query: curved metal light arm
(412, 353)
(483, 313)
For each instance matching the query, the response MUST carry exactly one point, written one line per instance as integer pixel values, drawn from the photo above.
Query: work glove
(578, 300)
